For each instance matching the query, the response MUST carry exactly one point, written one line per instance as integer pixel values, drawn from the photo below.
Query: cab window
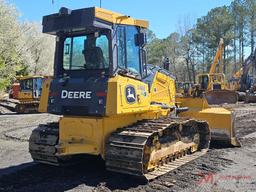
(127, 52)
(133, 59)
(26, 84)
(121, 47)
(86, 52)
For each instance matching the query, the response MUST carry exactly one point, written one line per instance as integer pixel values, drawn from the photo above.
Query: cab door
(37, 87)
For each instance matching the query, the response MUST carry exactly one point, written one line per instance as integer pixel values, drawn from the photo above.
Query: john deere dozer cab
(28, 95)
(112, 104)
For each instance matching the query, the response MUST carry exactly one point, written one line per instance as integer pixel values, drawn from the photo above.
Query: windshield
(203, 80)
(26, 84)
(86, 52)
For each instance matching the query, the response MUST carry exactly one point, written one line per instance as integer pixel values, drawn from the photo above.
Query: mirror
(140, 39)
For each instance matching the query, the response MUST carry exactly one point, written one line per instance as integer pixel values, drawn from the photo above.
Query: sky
(164, 16)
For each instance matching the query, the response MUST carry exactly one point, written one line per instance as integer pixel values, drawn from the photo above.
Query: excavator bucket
(217, 97)
(221, 120)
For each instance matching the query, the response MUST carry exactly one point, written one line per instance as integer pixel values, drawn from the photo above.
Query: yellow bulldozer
(213, 84)
(185, 89)
(112, 104)
(26, 93)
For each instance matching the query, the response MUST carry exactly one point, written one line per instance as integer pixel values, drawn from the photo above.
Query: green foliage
(155, 51)
(23, 48)
(192, 52)
(9, 41)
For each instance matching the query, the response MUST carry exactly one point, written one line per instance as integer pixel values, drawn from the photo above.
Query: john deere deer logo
(130, 94)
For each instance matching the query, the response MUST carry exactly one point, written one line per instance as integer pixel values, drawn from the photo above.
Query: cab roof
(28, 77)
(88, 18)
(118, 18)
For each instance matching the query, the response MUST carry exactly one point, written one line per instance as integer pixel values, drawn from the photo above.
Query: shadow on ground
(90, 172)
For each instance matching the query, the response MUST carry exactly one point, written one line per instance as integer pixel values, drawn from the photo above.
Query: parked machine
(112, 103)
(244, 83)
(179, 88)
(27, 91)
(188, 88)
(184, 89)
(213, 84)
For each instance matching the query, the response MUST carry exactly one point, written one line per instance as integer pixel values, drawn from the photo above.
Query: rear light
(101, 94)
(52, 94)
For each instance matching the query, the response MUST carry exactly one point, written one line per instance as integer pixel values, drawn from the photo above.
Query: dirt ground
(221, 169)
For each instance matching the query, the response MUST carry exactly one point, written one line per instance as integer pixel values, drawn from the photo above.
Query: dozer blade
(222, 122)
(151, 148)
(217, 97)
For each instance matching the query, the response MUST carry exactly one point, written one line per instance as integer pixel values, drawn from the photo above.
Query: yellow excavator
(112, 104)
(213, 84)
(243, 82)
(26, 93)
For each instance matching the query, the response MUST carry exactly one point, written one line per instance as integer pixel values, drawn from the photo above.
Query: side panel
(126, 95)
(163, 89)
(89, 135)
(25, 95)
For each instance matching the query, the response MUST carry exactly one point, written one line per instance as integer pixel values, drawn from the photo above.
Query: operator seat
(94, 57)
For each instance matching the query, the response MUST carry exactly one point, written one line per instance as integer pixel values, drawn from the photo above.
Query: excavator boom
(218, 59)
(217, 92)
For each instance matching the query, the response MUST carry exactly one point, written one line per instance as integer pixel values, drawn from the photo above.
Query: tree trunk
(235, 62)
(188, 70)
(242, 47)
(193, 70)
(224, 60)
(252, 41)
(240, 50)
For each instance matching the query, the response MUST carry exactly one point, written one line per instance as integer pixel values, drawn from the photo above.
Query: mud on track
(207, 173)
